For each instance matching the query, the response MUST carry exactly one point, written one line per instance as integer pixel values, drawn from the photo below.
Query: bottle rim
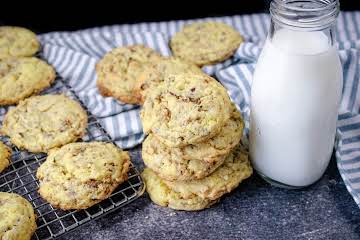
(305, 14)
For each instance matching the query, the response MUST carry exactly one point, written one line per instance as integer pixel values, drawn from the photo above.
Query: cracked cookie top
(40, 123)
(79, 175)
(23, 77)
(17, 217)
(186, 109)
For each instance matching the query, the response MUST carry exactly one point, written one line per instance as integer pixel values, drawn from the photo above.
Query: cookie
(186, 109)
(205, 43)
(23, 77)
(199, 194)
(162, 195)
(79, 175)
(17, 42)
(210, 151)
(169, 165)
(40, 123)
(118, 70)
(192, 161)
(17, 217)
(155, 73)
(5, 154)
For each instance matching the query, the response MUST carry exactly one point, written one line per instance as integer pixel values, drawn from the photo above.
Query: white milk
(295, 97)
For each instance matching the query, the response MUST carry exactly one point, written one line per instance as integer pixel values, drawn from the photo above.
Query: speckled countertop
(255, 210)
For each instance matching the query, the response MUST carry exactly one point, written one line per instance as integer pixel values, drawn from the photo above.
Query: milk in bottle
(295, 94)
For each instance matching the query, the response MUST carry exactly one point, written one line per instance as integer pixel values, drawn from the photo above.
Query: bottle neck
(304, 21)
(305, 15)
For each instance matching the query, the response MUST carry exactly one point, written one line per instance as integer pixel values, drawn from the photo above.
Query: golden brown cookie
(156, 154)
(118, 71)
(43, 122)
(5, 154)
(205, 43)
(162, 195)
(186, 109)
(17, 217)
(193, 161)
(17, 42)
(198, 194)
(156, 72)
(23, 77)
(79, 175)
(169, 164)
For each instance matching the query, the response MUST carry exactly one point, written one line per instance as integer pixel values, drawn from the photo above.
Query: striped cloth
(74, 55)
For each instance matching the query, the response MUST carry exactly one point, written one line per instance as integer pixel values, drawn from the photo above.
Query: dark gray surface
(255, 210)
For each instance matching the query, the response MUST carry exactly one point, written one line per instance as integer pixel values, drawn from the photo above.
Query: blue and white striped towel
(74, 55)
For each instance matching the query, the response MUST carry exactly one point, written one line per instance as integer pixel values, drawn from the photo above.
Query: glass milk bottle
(296, 94)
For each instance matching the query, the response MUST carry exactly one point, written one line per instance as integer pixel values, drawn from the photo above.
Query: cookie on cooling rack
(79, 175)
(23, 77)
(201, 193)
(118, 70)
(194, 161)
(186, 109)
(156, 72)
(205, 43)
(17, 42)
(18, 220)
(40, 123)
(5, 154)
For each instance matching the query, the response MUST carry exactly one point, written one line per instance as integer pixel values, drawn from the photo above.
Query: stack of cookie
(192, 152)
(128, 73)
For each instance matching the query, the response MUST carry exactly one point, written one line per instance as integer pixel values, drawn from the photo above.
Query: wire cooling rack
(20, 178)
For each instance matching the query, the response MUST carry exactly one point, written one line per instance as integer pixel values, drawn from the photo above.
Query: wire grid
(20, 178)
